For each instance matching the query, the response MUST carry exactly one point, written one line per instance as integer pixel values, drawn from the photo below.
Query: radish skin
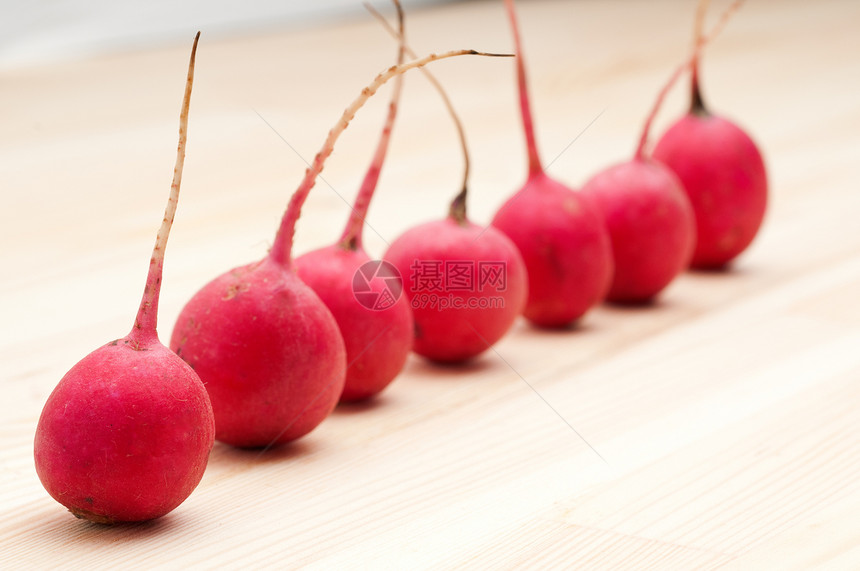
(723, 173)
(453, 326)
(651, 225)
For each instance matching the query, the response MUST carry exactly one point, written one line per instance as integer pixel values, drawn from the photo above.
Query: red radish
(650, 223)
(126, 434)
(466, 284)
(650, 220)
(454, 323)
(265, 345)
(377, 333)
(723, 173)
(561, 237)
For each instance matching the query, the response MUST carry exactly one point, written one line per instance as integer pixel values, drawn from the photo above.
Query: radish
(466, 284)
(377, 332)
(722, 172)
(561, 237)
(126, 434)
(650, 220)
(650, 223)
(265, 345)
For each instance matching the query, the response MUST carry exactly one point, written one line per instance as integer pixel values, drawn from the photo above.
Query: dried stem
(646, 130)
(691, 62)
(458, 206)
(282, 249)
(457, 210)
(525, 105)
(147, 315)
(351, 239)
(697, 105)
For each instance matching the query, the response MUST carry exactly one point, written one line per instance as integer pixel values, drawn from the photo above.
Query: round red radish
(562, 238)
(265, 345)
(723, 174)
(378, 338)
(466, 285)
(650, 223)
(565, 246)
(377, 331)
(126, 434)
(268, 350)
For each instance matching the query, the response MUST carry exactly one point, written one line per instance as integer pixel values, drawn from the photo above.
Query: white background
(41, 31)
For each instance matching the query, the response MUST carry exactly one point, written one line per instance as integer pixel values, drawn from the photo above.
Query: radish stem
(692, 63)
(525, 105)
(352, 233)
(282, 249)
(147, 315)
(458, 205)
(697, 105)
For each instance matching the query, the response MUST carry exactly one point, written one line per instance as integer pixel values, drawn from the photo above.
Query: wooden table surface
(717, 428)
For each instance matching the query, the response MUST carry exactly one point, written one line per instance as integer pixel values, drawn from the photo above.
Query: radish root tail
(147, 315)
(281, 251)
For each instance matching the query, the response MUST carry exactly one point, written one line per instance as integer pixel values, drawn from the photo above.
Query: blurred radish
(561, 237)
(126, 434)
(266, 346)
(376, 325)
(466, 284)
(721, 170)
(651, 225)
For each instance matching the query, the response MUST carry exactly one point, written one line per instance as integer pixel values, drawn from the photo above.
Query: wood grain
(725, 416)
